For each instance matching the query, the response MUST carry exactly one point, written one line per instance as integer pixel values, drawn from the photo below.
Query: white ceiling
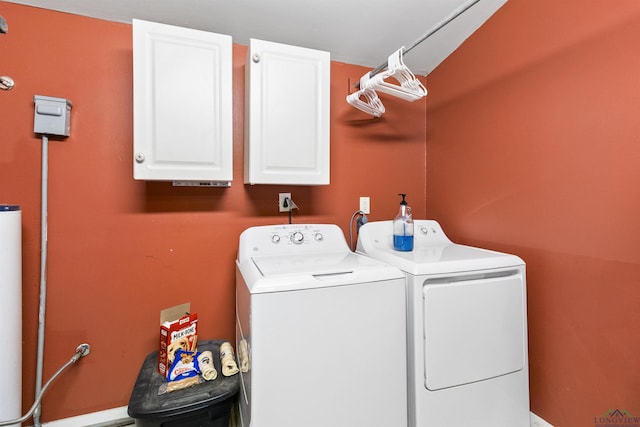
(354, 31)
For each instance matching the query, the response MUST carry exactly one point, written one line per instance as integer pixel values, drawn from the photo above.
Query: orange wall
(121, 250)
(533, 147)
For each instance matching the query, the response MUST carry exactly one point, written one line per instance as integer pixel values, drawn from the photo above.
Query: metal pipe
(457, 12)
(43, 272)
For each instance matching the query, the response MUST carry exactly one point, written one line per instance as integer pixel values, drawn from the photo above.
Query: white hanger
(371, 104)
(409, 89)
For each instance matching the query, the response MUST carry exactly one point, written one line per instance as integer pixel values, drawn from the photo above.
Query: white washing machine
(466, 329)
(321, 331)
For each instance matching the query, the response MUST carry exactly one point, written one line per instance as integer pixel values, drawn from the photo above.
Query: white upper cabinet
(287, 115)
(182, 104)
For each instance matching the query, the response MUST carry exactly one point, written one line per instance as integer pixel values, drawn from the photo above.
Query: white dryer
(466, 329)
(321, 331)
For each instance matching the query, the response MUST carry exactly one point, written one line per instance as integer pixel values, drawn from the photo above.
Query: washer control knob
(275, 238)
(424, 230)
(297, 237)
(319, 237)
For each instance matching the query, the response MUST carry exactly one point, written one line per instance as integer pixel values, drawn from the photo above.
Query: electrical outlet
(365, 205)
(281, 199)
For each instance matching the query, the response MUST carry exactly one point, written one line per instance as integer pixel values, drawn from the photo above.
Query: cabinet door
(287, 115)
(182, 104)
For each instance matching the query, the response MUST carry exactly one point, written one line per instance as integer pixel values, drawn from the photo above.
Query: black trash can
(208, 404)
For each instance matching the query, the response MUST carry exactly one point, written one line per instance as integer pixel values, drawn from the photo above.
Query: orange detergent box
(178, 330)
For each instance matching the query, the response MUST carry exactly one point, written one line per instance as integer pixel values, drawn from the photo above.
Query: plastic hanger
(371, 104)
(409, 89)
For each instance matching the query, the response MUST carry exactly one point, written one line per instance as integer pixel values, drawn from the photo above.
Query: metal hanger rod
(459, 11)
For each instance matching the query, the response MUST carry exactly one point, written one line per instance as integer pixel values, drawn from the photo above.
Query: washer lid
(319, 270)
(314, 264)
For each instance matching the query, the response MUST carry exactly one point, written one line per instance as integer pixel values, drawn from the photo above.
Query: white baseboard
(115, 414)
(92, 419)
(536, 421)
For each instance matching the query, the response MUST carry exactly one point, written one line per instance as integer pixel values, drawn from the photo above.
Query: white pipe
(43, 274)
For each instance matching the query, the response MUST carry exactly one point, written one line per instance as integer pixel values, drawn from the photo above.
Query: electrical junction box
(52, 115)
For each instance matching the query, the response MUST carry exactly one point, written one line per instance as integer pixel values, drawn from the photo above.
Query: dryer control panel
(379, 235)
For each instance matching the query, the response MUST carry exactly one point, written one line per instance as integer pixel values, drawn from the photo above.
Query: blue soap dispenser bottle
(403, 228)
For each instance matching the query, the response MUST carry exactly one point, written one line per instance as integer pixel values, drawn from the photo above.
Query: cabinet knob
(139, 157)
(256, 57)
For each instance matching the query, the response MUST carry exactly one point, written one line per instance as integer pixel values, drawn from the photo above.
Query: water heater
(11, 311)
